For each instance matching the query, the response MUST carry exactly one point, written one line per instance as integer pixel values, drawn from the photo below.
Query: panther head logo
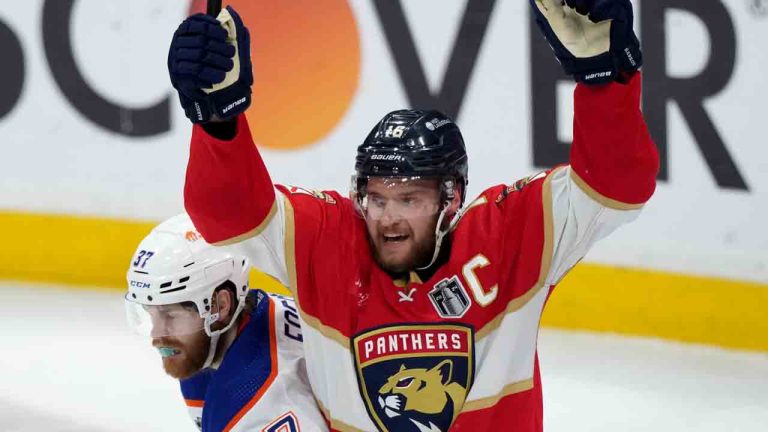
(422, 391)
(415, 377)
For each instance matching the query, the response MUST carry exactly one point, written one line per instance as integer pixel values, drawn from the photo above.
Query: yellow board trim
(95, 252)
(694, 309)
(81, 251)
(68, 249)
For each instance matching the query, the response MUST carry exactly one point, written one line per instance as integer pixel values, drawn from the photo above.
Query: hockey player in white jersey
(237, 353)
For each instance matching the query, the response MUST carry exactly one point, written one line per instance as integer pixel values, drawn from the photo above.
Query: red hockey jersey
(457, 351)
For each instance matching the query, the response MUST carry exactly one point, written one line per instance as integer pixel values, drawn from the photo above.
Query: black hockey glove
(209, 63)
(592, 39)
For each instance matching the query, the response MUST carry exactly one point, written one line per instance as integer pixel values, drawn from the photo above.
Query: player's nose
(391, 215)
(389, 220)
(157, 332)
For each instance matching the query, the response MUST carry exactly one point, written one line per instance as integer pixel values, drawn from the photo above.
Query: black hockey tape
(213, 8)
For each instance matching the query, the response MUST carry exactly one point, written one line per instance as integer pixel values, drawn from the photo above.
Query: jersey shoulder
(522, 187)
(298, 193)
(311, 211)
(313, 200)
(503, 234)
(495, 203)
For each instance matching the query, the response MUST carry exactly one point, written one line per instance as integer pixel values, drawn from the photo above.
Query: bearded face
(401, 217)
(183, 356)
(179, 337)
(178, 332)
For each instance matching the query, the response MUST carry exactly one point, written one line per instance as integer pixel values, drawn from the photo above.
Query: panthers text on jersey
(261, 384)
(457, 351)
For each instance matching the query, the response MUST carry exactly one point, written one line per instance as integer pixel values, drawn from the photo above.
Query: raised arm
(231, 199)
(228, 192)
(614, 162)
(613, 158)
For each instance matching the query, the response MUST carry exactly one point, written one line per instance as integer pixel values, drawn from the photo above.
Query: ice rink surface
(68, 363)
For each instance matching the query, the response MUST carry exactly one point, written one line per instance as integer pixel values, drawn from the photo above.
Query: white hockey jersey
(261, 384)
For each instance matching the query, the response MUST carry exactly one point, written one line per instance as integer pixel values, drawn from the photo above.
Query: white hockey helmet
(173, 267)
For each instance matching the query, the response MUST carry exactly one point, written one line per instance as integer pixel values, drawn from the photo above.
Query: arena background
(94, 145)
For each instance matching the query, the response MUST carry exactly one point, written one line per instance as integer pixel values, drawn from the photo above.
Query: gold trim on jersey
(463, 212)
(602, 199)
(254, 232)
(478, 201)
(327, 331)
(290, 264)
(417, 355)
(335, 424)
(413, 277)
(513, 306)
(546, 261)
(487, 402)
(547, 253)
(289, 236)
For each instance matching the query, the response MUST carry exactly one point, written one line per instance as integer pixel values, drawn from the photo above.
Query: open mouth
(393, 238)
(166, 352)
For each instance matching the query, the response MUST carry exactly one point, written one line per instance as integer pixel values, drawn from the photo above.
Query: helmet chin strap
(440, 233)
(211, 350)
(215, 335)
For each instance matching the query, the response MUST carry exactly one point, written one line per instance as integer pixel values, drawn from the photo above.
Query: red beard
(192, 351)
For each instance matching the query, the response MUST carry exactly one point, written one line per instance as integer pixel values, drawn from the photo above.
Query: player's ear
(445, 370)
(455, 204)
(225, 304)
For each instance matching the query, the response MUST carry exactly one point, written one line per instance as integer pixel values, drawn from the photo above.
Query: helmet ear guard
(448, 190)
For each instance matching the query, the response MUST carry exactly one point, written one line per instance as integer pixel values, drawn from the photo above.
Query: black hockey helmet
(414, 143)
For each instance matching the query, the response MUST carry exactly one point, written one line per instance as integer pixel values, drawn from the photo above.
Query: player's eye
(404, 382)
(377, 201)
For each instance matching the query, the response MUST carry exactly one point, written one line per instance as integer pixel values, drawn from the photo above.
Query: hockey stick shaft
(213, 8)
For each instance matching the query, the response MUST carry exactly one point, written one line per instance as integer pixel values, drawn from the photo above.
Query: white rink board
(57, 161)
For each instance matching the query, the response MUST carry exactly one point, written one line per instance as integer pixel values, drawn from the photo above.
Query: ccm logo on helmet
(390, 158)
(139, 284)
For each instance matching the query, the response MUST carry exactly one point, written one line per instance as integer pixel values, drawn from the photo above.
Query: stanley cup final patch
(414, 377)
(450, 298)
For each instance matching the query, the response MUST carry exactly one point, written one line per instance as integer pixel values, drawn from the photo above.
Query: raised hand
(592, 39)
(210, 66)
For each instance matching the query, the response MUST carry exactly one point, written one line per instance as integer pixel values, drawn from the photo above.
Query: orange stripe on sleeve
(270, 378)
(193, 403)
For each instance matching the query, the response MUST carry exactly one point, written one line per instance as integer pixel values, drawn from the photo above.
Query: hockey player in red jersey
(236, 353)
(421, 312)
